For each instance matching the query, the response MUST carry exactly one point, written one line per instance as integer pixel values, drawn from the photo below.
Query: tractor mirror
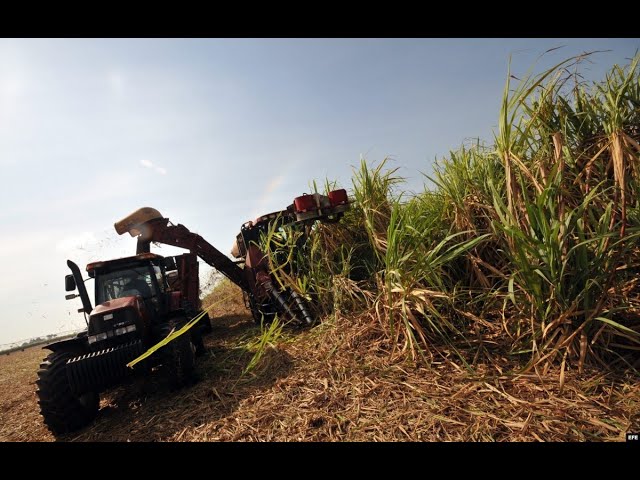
(69, 283)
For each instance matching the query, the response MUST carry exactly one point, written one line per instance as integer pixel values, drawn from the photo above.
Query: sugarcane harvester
(251, 271)
(140, 300)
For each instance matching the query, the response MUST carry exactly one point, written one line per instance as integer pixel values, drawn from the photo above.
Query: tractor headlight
(99, 337)
(127, 329)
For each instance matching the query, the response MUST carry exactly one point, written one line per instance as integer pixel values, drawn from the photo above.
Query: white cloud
(14, 245)
(149, 164)
(106, 186)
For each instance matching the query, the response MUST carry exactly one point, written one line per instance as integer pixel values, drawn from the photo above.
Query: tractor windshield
(124, 283)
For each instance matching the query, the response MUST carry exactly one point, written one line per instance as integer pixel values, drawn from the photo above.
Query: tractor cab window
(124, 283)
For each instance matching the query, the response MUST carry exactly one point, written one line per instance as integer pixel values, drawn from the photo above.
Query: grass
(529, 246)
(335, 382)
(270, 335)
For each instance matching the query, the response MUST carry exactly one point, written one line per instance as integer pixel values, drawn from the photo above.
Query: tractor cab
(130, 298)
(135, 296)
(141, 276)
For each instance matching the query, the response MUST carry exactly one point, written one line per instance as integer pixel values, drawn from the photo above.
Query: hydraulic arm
(265, 298)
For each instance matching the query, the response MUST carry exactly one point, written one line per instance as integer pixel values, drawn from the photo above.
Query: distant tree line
(14, 347)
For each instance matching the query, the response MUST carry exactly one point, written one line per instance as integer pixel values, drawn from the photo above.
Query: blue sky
(213, 132)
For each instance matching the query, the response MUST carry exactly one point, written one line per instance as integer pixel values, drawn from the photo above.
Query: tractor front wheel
(62, 410)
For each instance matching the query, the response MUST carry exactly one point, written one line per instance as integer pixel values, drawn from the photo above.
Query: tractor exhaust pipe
(82, 290)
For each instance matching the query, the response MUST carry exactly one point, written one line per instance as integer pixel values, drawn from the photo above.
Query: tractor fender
(80, 343)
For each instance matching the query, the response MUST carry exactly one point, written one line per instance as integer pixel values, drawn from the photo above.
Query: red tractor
(141, 299)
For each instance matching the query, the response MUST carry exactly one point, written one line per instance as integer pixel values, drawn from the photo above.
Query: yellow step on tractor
(140, 300)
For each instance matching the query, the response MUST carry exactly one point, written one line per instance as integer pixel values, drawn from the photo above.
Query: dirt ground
(333, 383)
